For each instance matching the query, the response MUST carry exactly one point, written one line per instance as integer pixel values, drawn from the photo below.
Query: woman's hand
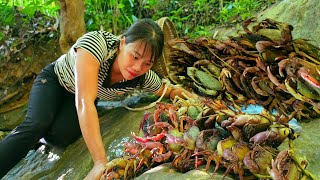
(174, 91)
(181, 92)
(96, 172)
(189, 94)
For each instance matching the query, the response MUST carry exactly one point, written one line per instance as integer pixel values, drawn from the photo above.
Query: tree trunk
(72, 24)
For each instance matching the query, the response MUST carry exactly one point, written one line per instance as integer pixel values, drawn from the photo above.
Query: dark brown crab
(258, 160)
(233, 158)
(273, 137)
(286, 166)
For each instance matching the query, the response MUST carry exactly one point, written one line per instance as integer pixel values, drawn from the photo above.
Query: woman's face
(134, 59)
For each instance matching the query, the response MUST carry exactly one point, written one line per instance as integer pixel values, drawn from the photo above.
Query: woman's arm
(173, 91)
(86, 83)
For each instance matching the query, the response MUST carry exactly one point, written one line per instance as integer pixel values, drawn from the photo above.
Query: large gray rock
(307, 146)
(75, 161)
(166, 171)
(301, 14)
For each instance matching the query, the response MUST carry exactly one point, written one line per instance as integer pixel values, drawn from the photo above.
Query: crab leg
(240, 57)
(304, 54)
(162, 157)
(275, 80)
(231, 89)
(275, 104)
(238, 47)
(282, 64)
(173, 117)
(246, 88)
(298, 163)
(260, 64)
(157, 137)
(236, 80)
(256, 88)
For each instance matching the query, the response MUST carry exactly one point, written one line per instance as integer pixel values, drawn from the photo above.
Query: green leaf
(120, 6)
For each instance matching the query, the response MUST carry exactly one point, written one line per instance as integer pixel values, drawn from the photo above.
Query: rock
(15, 85)
(166, 171)
(306, 146)
(75, 161)
(10, 120)
(301, 14)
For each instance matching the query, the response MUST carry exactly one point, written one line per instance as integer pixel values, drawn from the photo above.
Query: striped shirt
(103, 46)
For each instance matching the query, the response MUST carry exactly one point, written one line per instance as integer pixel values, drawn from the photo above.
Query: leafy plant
(112, 15)
(28, 9)
(6, 14)
(191, 17)
(47, 7)
(238, 11)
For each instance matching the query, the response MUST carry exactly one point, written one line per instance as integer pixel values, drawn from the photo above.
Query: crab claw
(225, 72)
(157, 137)
(308, 78)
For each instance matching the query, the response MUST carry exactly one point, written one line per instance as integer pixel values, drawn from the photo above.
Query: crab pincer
(157, 137)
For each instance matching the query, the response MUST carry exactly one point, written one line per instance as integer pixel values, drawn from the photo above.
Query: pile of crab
(188, 133)
(265, 66)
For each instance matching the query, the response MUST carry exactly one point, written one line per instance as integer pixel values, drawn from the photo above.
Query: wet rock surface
(307, 144)
(75, 162)
(165, 171)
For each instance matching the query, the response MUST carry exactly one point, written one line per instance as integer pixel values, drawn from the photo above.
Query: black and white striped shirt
(103, 46)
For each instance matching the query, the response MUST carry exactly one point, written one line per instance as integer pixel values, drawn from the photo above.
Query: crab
(204, 81)
(182, 161)
(175, 141)
(287, 166)
(230, 84)
(258, 160)
(233, 158)
(208, 140)
(206, 143)
(242, 119)
(220, 109)
(188, 107)
(298, 95)
(123, 167)
(305, 75)
(274, 136)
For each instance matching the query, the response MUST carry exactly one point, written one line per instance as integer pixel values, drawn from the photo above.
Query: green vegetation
(27, 8)
(191, 17)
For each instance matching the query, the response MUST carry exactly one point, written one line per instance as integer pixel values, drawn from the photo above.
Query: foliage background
(191, 17)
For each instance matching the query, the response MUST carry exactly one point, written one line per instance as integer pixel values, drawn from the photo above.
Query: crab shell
(174, 139)
(283, 167)
(190, 137)
(204, 80)
(258, 160)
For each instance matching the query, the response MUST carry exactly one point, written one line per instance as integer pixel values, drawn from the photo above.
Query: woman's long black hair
(147, 31)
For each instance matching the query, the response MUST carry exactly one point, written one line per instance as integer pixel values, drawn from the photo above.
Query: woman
(61, 104)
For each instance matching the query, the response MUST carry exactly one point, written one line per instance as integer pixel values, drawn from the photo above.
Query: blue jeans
(51, 115)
